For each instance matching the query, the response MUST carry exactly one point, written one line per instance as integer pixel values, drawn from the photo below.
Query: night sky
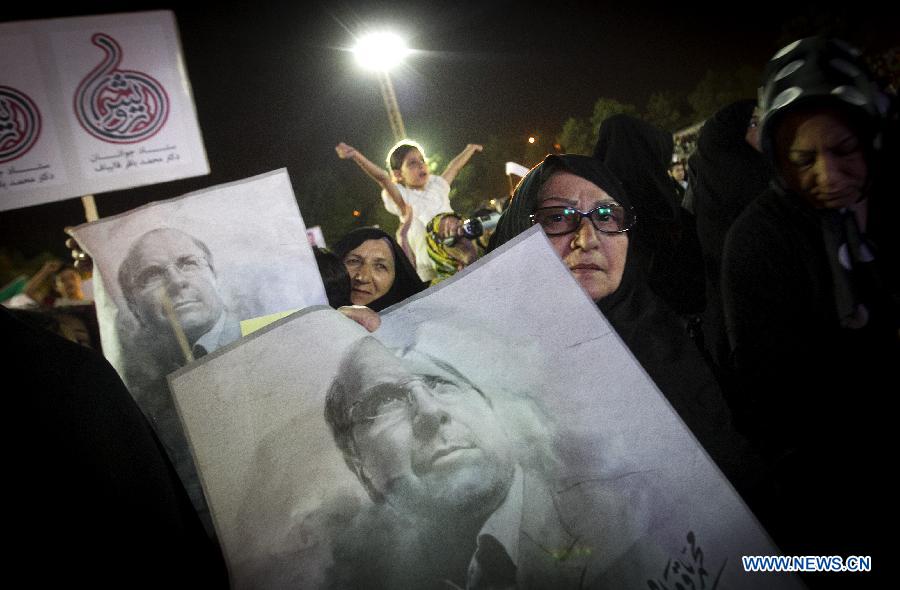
(276, 87)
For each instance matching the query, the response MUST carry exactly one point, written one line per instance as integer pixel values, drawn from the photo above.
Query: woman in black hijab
(727, 173)
(664, 246)
(811, 289)
(380, 273)
(599, 253)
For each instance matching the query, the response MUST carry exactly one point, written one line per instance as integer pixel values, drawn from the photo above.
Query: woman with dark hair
(380, 273)
(810, 284)
(588, 218)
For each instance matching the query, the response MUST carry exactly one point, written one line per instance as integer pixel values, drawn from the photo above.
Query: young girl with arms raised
(412, 193)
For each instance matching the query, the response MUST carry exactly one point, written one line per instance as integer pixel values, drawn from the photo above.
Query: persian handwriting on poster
(12, 177)
(142, 157)
(94, 104)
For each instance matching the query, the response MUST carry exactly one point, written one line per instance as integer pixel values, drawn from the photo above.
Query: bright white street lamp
(381, 52)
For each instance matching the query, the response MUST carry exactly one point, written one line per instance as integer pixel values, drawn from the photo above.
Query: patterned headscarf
(445, 265)
(821, 71)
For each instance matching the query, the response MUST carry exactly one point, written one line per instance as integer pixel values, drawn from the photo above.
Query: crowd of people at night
(757, 282)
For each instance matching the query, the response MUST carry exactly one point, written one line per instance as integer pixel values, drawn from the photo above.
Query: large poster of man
(173, 280)
(493, 433)
(93, 104)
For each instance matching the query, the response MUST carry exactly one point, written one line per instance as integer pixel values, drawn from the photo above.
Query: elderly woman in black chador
(810, 284)
(380, 273)
(587, 216)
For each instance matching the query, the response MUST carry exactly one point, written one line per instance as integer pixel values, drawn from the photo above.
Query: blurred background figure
(380, 274)
(69, 286)
(39, 290)
(54, 284)
(810, 286)
(727, 173)
(679, 177)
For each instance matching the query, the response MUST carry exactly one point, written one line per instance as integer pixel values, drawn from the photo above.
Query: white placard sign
(315, 236)
(94, 104)
(514, 445)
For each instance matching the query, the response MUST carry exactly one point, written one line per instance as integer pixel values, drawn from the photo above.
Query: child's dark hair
(399, 151)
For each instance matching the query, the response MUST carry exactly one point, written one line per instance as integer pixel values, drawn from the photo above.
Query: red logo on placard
(119, 106)
(20, 124)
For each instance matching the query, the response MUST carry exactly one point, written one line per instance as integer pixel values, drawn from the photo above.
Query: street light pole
(390, 102)
(380, 52)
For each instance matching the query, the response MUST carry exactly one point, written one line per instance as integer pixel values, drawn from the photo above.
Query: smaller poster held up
(174, 279)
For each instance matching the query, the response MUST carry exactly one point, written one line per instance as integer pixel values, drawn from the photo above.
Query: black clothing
(663, 244)
(814, 394)
(726, 175)
(679, 191)
(813, 313)
(94, 502)
(406, 281)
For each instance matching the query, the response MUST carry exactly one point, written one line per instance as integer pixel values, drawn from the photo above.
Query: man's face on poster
(427, 440)
(170, 263)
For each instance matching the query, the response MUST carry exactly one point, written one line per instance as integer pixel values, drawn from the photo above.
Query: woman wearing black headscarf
(558, 194)
(811, 286)
(664, 245)
(380, 273)
(727, 173)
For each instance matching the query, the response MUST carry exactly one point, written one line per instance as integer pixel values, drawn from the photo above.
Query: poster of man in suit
(175, 278)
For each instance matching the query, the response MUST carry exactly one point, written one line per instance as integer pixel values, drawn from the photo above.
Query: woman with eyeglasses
(588, 219)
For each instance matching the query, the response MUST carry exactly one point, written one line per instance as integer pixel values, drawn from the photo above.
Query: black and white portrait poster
(92, 104)
(493, 432)
(173, 280)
